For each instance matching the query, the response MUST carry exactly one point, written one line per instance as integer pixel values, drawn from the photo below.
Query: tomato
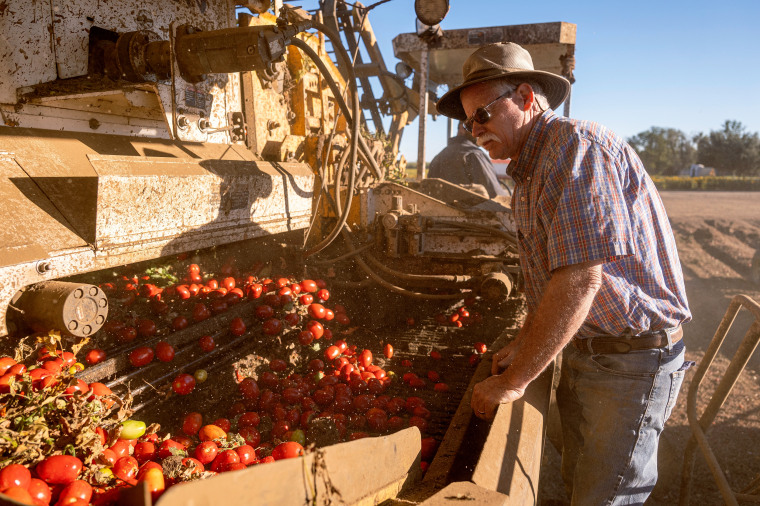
(212, 283)
(317, 310)
(108, 457)
(180, 322)
(316, 329)
(377, 419)
(292, 319)
(263, 312)
(315, 365)
(40, 491)
(441, 387)
(228, 283)
(192, 423)
(132, 429)
(18, 494)
(14, 475)
(342, 318)
(306, 299)
(474, 359)
(254, 291)
(200, 375)
(323, 294)
(237, 327)
(365, 358)
(388, 350)
(6, 363)
(272, 326)
(183, 292)
(435, 355)
(332, 352)
(154, 481)
(59, 469)
(218, 306)
(170, 447)
(194, 465)
(183, 384)
(201, 312)
(193, 269)
(308, 285)
(278, 364)
(141, 356)
(211, 432)
(93, 357)
(481, 347)
(223, 424)
(120, 448)
(246, 454)
(249, 419)
(206, 452)
(251, 436)
(305, 337)
(207, 343)
(249, 389)
(420, 423)
(434, 376)
(127, 334)
(145, 451)
(146, 328)
(164, 351)
(287, 450)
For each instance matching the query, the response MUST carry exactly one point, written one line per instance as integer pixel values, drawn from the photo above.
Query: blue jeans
(613, 408)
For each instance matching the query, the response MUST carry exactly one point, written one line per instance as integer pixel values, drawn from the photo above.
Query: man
(602, 277)
(464, 163)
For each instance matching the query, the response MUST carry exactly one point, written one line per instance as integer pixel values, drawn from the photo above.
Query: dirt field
(717, 234)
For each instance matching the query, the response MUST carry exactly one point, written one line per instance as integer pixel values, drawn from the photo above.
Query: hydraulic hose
(343, 216)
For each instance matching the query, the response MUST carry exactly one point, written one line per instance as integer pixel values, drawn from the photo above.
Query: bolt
(73, 325)
(250, 49)
(272, 124)
(78, 293)
(87, 330)
(43, 267)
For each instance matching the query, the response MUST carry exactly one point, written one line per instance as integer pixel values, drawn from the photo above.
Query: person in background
(462, 162)
(603, 282)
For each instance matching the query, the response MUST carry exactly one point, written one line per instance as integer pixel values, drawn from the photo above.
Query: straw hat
(504, 59)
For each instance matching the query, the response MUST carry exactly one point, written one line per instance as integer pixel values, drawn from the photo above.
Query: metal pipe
(423, 110)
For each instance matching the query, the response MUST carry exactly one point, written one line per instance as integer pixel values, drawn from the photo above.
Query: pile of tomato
(335, 391)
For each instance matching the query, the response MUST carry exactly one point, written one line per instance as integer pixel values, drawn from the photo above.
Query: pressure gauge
(431, 12)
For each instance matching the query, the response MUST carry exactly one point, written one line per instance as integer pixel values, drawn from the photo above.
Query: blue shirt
(582, 194)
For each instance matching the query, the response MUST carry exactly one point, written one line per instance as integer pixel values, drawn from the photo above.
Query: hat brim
(555, 87)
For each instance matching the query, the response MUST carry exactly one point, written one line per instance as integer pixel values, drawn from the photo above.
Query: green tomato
(200, 375)
(132, 429)
(298, 436)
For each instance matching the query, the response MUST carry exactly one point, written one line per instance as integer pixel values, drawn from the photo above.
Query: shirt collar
(519, 168)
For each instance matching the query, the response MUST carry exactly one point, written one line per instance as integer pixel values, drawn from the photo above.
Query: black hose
(303, 46)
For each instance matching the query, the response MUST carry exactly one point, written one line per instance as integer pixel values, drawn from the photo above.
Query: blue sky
(688, 65)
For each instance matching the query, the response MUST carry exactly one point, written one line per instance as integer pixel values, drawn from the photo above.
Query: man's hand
(502, 358)
(489, 393)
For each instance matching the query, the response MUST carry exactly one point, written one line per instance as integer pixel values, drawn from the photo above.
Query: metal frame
(700, 425)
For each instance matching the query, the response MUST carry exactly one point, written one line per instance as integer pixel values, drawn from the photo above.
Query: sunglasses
(481, 114)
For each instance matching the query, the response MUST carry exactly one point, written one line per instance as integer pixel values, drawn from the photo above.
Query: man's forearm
(562, 310)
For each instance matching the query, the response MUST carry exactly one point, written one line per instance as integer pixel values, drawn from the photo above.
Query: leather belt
(615, 344)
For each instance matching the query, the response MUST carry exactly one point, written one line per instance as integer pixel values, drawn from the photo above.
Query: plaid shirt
(582, 194)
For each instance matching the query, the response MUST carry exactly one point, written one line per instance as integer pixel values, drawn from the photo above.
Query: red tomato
(127, 334)
(18, 494)
(194, 464)
(14, 475)
(237, 327)
(292, 319)
(365, 358)
(206, 452)
(145, 451)
(433, 376)
(93, 357)
(254, 291)
(249, 419)
(6, 363)
(263, 312)
(164, 351)
(154, 481)
(306, 299)
(321, 283)
(342, 318)
(40, 491)
(207, 343)
(272, 326)
(126, 468)
(474, 359)
(141, 356)
(317, 310)
(251, 436)
(180, 322)
(388, 350)
(169, 447)
(316, 329)
(305, 337)
(228, 283)
(278, 364)
(249, 389)
(307, 285)
(246, 453)
(213, 284)
(435, 355)
(332, 352)
(192, 423)
(323, 294)
(225, 458)
(59, 469)
(201, 312)
(120, 448)
(183, 384)
(287, 450)
(377, 419)
(481, 347)
(146, 328)
(441, 387)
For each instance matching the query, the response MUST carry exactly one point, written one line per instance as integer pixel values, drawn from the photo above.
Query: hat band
(479, 74)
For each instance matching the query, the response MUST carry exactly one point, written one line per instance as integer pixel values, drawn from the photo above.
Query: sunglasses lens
(481, 115)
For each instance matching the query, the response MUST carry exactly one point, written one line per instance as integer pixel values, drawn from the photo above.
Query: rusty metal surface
(546, 42)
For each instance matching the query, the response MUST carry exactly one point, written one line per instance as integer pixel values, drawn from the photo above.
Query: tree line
(731, 150)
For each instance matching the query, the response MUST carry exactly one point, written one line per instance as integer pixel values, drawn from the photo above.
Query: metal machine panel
(26, 49)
